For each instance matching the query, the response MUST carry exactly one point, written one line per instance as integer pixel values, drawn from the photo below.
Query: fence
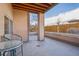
(62, 28)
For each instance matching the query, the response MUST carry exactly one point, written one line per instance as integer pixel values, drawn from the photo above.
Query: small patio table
(9, 46)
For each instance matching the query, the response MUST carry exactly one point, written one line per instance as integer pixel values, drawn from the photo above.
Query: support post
(28, 22)
(41, 26)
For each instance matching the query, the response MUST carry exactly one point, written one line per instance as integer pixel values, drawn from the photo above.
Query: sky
(65, 10)
(59, 8)
(33, 18)
(63, 17)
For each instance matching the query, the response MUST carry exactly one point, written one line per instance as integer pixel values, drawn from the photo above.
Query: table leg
(22, 49)
(0, 53)
(13, 52)
(4, 53)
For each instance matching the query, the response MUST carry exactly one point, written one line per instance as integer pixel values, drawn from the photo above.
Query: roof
(75, 20)
(33, 7)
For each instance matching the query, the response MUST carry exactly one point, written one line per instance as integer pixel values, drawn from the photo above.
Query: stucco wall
(5, 10)
(20, 23)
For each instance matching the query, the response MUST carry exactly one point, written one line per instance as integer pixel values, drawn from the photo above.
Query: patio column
(41, 26)
(27, 25)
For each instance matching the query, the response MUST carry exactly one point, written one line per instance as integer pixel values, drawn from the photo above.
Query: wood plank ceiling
(33, 7)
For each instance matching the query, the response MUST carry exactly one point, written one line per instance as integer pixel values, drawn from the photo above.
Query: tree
(58, 24)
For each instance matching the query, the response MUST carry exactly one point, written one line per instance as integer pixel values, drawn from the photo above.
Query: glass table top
(9, 44)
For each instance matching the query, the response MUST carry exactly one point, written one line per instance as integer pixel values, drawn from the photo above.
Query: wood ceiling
(33, 7)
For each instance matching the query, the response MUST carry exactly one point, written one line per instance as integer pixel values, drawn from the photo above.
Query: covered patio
(34, 45)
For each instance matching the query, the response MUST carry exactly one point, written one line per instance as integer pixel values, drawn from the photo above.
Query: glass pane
(8, 24)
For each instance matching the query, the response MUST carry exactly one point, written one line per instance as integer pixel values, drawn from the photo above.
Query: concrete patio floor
(49, 47)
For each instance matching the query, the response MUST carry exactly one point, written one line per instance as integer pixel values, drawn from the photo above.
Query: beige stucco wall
(20, 23)
(5, 10)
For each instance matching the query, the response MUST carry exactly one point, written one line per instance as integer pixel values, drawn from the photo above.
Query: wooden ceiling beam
(24, 9)
(42, 5)
(34, 6)
(50, 4)
(23, 6)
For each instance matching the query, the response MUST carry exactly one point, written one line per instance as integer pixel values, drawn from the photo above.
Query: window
(8, 25)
